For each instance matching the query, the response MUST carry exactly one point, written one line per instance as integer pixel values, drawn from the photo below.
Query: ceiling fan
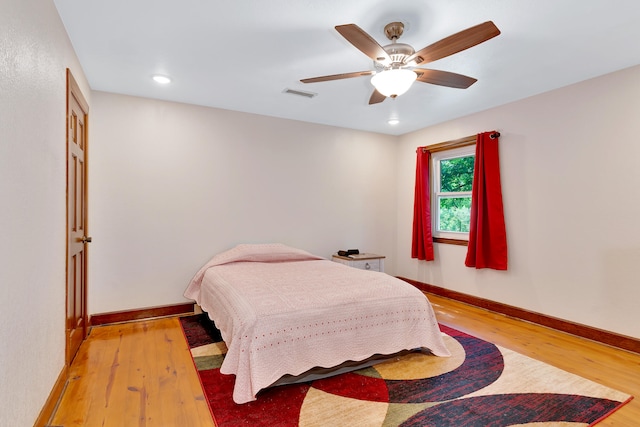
(395, 64)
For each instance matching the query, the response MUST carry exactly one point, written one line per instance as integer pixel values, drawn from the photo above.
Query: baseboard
(50, 405)
(605, 337)
(141, 313)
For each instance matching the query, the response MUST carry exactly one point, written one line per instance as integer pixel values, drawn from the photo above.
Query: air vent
(300, 93)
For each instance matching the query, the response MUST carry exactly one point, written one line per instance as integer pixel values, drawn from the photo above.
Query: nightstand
(370, 262)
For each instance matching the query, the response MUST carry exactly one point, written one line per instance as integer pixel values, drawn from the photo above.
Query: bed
(283, 311)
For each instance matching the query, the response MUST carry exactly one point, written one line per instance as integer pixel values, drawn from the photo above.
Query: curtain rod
(462, 142)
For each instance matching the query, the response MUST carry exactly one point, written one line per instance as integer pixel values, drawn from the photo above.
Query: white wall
(172, 184)
(34, 54)
(570, 180)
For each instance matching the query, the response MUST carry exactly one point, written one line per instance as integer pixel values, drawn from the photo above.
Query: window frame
(463, 147)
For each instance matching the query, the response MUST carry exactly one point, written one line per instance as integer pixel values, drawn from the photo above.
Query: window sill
(451, 241)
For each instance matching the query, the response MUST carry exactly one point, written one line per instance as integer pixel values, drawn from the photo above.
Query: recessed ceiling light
(163, 80)
(393, 121)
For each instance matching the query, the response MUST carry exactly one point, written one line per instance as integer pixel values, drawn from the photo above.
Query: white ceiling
(242, 54)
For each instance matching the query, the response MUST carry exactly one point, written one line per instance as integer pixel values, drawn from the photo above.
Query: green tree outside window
(456, 176)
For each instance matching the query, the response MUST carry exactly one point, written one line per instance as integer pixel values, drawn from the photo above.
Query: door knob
(86, 239)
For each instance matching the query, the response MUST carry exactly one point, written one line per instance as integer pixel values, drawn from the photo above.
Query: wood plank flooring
(141, 373)
(134, 374)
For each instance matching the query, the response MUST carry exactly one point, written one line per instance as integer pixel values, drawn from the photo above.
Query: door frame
(73, 90)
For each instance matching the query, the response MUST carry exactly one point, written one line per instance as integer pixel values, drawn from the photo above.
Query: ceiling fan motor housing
(398, 52)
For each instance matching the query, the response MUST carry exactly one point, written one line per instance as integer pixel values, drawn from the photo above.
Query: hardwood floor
(140, 373)
(134, 374)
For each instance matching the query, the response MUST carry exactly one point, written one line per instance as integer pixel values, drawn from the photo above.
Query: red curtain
(422, 241)
(487, 233)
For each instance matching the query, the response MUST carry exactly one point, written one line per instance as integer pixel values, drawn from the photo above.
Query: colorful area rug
(480, 385)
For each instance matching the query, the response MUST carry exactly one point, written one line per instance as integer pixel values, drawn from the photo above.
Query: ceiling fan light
(393, 82)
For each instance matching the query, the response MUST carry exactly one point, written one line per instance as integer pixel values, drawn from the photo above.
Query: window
(451, 201)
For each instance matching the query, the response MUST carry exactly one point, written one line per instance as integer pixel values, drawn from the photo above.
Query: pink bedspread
(282, 318)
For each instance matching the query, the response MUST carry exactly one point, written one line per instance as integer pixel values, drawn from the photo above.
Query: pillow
(266, 252)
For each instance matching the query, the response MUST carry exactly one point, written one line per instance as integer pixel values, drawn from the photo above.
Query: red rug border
(608, 414)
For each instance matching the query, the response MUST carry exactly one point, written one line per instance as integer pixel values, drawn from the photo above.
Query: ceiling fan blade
(455, 43)
(337, 76)
(444, 78)
(363, 42)
(376, 97)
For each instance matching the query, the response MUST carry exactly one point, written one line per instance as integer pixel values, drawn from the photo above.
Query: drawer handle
(367, 266)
